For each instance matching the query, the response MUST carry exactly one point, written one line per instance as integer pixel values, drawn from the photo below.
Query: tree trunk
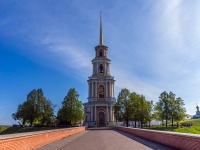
(166, 121)
(31, 122)
(149, 124)
(172, 121)
(24, 121)
(126, 122)
(135, 123)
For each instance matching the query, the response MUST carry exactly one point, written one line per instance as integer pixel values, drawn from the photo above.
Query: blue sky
(153, 47)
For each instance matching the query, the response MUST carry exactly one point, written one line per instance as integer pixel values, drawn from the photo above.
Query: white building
(99, 108)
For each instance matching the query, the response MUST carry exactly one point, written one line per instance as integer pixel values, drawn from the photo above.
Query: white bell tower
(99, 108)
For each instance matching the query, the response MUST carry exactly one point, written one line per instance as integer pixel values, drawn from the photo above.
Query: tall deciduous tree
(135, 101)
(124, 102)
(72, 109)
(35, 109)
(169, 108)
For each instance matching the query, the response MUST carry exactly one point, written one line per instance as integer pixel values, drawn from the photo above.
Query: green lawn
(11, 130)
(195, 129)
(2, 128)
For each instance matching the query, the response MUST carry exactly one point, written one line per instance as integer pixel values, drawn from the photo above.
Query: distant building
(99, 108)
(197, 115)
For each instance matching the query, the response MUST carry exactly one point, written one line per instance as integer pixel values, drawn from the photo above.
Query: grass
(11, 130)
(195, 129)
(2, 128)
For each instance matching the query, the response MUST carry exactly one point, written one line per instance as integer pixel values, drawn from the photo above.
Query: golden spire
(101, 33)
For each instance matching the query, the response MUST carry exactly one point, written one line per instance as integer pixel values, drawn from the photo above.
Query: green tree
(135, 101)
(124, 102)
(178, 110)
(162, 108)
(47, 112)
(143, 111)
(150, 115)
(169, 108)
(117, 112)
(21, 114)
(36, 109)
(159, 111)
(72, 109)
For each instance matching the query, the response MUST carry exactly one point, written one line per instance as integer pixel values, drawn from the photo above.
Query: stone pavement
(104, 139)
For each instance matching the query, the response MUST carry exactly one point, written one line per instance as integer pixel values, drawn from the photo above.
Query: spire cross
(101, 33)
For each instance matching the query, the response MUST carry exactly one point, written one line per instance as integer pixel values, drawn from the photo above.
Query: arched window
(101, 91)
(100, 53)
(100, 68)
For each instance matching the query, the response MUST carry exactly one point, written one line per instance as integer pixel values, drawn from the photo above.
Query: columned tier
(99, 114)
(101, 90)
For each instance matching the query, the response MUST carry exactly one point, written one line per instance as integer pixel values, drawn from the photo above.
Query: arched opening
(100, 68)
(101, 91)
(100, 53)
(101, 119)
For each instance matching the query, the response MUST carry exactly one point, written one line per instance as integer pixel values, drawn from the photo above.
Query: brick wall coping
(167, 132)
(17, 135)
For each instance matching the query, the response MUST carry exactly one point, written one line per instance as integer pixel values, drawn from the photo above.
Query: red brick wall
(37, 140)
(177, 140)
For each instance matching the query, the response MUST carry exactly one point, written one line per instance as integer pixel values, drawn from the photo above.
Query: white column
(107, 113)
(89, 90)
(106, 89)
(91, 113)
(110, 89)
(113, 89)
(95, 113)
(110, 113)
(92, 90)
(96, 91)
(104, 68)
(97, 68)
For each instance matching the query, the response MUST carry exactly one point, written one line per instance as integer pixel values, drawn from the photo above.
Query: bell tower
(99, 108)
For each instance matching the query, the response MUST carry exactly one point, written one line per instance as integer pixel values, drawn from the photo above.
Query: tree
(47, 112)
(35, 109)
(21, 113)
(144, 111)
(179, 112)
(72, 109)
(162, 107)
(172, 106)
(159, 111)
(150, 115)
(169, 108)
(135, 101)
(117, 111)
(124, 102)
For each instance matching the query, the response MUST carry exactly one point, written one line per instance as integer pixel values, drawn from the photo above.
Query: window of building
(100, 68)
(101, 91)
(100, 53)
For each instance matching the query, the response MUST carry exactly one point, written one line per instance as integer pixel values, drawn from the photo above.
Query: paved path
(103, 139)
